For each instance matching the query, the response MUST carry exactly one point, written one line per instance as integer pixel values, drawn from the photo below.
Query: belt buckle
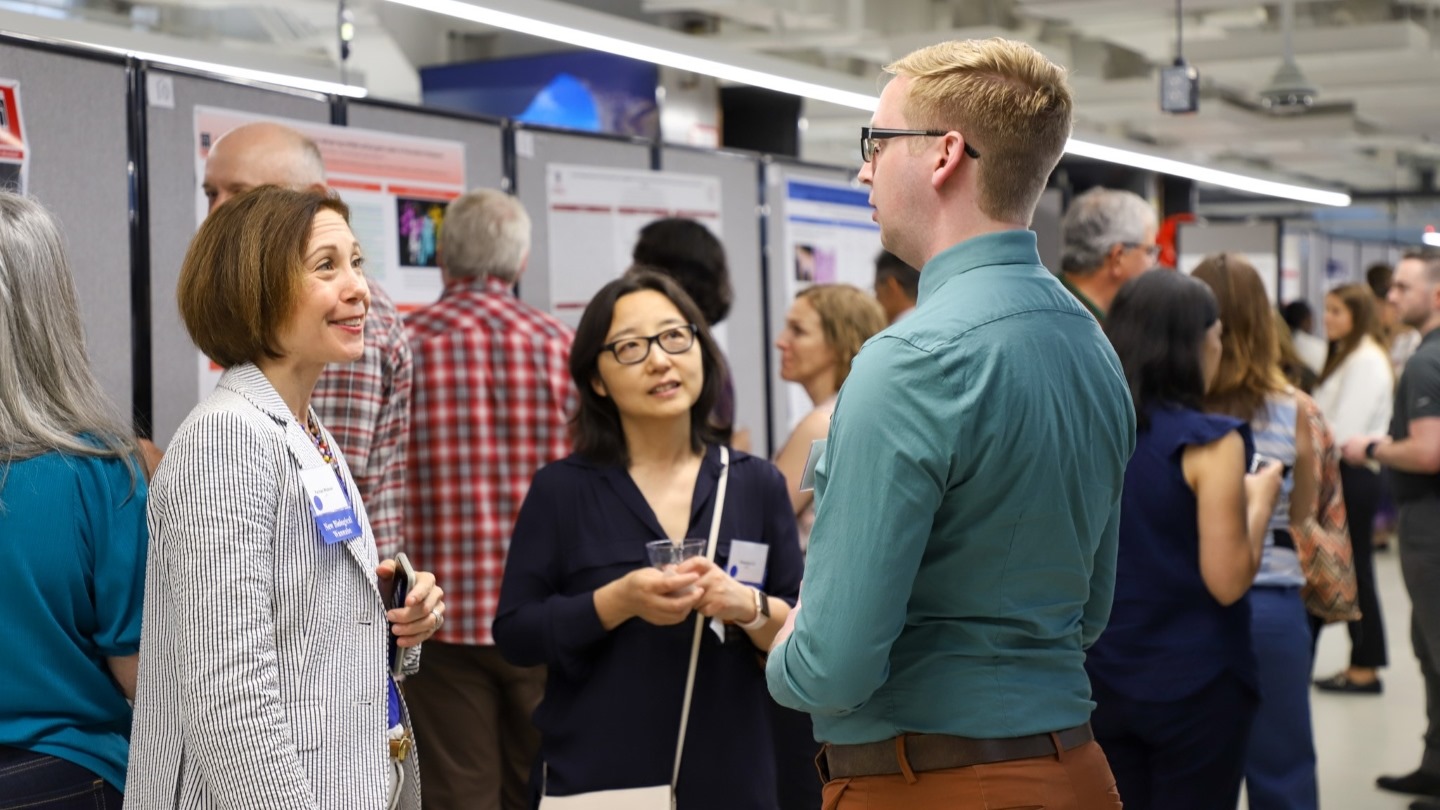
(400, 747)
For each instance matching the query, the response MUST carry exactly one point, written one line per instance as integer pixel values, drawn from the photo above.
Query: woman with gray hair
(1107, 238)
(72, 530)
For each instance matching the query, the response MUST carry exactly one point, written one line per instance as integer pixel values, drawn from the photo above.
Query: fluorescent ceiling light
(682, 55)
(246, 74)
(669, 57)
(1432, 239)
(1204, 174)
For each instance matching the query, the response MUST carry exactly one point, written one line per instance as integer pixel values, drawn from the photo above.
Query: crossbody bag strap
(700, 621)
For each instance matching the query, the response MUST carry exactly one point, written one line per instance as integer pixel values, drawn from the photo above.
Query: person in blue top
(1174, 675)
(72, 535)
(580, 597)
(967, 505)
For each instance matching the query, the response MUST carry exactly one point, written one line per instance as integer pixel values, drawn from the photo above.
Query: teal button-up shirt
(968, 510)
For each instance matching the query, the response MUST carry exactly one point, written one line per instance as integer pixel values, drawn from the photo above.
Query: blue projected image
(593, 92)
(565, 102)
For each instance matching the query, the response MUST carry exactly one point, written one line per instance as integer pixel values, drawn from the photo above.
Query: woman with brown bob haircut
(1249, 385)
(264, 683)
(580, 596)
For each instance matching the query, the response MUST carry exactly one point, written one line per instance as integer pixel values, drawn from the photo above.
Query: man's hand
(1354, 449)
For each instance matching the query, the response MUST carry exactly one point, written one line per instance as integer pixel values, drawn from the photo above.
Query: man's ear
(1112, 259)
(948, 161)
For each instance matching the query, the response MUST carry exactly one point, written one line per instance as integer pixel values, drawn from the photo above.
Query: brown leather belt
(935, 752)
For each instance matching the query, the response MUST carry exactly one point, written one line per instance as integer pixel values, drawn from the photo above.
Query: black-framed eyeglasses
(631, 350)
(870, 138)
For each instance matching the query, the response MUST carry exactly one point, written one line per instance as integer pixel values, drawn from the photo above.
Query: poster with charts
(594, 216)
(830, 237)
(396, 186)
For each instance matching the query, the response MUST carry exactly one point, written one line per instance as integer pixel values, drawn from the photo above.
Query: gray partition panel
(745, 327)
(776, 177)
(531, 159)
(74, 117)
(484, 143)
(171, 157)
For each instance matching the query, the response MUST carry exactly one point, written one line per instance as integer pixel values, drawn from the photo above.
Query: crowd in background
(523, 465)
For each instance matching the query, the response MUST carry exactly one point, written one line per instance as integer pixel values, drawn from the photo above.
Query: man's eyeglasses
(870, 138)
(632, 350)
(1152, 252)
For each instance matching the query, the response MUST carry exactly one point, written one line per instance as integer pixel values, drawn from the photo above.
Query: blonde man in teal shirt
(963, 555)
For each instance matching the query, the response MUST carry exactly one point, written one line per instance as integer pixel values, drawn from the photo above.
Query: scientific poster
(396, 186)
(595, 216)
(829, 237)
(14, 157)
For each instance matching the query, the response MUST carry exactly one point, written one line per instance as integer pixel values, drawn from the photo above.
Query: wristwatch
(1370, 449)
(762, 612)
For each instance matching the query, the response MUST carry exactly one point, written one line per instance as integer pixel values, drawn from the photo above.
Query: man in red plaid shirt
(491, 406)
(366, 404)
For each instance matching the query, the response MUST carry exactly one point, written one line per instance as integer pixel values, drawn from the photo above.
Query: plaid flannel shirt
(366, 406)
(492, 404)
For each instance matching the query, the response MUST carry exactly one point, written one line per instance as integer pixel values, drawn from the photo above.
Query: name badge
(747, 562)
(329, 506)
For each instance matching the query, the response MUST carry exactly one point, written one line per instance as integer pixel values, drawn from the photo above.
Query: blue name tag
(329, 506)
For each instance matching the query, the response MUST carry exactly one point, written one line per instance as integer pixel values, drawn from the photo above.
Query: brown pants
(1078, 779)
(471, 715)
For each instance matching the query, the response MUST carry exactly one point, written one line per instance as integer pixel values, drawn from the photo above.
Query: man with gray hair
(366, 404)
(492, 403)
(1107, 238)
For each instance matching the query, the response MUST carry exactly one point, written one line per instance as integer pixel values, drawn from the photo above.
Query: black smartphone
(400, 586)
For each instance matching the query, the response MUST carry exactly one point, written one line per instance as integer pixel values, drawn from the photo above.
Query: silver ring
(439, 620)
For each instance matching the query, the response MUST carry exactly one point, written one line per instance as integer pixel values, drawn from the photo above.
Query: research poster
(397, 187)
(829, 237)
(14, 156)
(594, 216)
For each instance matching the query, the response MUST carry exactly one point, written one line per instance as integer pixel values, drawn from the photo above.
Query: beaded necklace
(319, 439)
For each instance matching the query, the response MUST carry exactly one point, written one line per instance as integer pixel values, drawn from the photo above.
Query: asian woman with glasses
(580, 597)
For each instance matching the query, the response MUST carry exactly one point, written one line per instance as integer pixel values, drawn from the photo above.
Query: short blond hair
(1010, 102)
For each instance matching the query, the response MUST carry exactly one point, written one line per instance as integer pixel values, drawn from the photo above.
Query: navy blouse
(611, 711)
(1168, 638)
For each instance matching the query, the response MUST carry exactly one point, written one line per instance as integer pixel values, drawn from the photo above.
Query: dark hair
(888, 265)
(596, 425)
(1296, 313)
(1379, 276)
(244, 271)
(687, 252)
(1157, 325)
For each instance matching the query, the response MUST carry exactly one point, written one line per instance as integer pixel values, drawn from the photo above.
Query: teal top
(73, 538)
(968, 507)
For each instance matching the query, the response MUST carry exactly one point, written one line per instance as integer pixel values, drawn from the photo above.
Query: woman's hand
(725, 598)
(1263, 487)
(423, 612)
(658, 597)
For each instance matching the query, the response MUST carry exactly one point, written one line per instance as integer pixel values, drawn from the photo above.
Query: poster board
(1259, 242)
(748, 341)
(78, 173)
(173, 186)
(535, 152)
(819, 230)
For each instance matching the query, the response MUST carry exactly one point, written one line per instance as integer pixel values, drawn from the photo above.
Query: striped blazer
(262, 653)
